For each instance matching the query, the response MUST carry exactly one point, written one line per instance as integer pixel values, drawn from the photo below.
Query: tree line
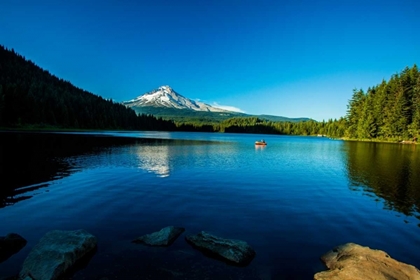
(332, 128)
(31, 96)
(387, 111)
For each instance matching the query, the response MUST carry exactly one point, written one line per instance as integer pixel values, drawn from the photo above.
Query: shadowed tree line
(31, 96)
(332, 128)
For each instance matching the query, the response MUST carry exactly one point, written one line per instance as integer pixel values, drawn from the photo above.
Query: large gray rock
(55, 253)
(10, 244)
(232, 251)
(354, 262)
(164, 237)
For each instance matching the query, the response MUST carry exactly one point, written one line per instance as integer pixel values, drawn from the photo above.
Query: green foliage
(389, 111)
(332, 128)
(1, 103)
(30, 96)
(191, 116)
(185, 115)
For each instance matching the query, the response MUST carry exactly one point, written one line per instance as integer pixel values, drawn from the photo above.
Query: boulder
(57, 252)
(232, 251)
(10, 244)
(352, 261)
(164, 237)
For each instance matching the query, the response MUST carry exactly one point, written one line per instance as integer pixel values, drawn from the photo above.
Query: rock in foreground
(235, 252)
(352, 261)
(164, 237)
(55, 253)
(10, 244)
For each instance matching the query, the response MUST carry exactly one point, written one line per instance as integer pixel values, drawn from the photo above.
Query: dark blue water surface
(292, 200)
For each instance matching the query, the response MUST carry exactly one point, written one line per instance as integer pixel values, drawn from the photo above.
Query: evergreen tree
(1, 104)
(414, 127)
(354, 112)
(32, 96)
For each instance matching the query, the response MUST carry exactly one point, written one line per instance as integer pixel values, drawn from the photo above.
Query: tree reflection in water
(389, 171)
(30, 161)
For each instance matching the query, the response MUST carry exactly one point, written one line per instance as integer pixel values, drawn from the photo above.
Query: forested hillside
(332, 128)
(31, 96)
(201, 117)
(388, 111)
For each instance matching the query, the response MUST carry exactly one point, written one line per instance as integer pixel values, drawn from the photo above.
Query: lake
(292, 200)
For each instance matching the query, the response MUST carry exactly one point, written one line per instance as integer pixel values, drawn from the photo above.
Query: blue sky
(296, 58)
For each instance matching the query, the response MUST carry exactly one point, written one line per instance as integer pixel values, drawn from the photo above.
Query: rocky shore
(163, 237)
(58, 252)
(10, 245)
(354, 262)
(236, 252)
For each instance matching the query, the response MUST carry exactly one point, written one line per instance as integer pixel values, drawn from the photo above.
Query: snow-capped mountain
(166, 97)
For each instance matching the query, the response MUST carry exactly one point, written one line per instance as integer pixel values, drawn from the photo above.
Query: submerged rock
(352, 261)
(232, 251)
(56, 252)
(10, 245)
(164, 237)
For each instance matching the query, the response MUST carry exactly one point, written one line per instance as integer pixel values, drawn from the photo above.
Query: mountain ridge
(166, 103)
(31, 97)
(165, 96)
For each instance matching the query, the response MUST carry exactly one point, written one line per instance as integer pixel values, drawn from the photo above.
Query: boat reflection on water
(260, 147)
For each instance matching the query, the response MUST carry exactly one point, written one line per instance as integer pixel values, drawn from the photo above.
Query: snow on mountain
(165, 96)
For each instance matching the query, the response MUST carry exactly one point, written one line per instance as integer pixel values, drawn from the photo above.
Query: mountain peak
(165, 96)
(168, 88)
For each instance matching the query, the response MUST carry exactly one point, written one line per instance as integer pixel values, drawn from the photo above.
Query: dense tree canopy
(30, 96)
(332, 128)
(388, 111)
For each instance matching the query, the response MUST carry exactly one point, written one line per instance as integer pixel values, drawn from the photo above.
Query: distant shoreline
(55, 129)
(381, 141)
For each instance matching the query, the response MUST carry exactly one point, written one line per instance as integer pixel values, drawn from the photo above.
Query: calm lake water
(292, 200)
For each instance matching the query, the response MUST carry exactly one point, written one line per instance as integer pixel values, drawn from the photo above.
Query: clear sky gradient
(297, 58)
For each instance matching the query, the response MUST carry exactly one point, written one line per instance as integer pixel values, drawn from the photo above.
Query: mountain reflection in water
(387, 171)
(119, 186)
(30, 161)
(154, 159)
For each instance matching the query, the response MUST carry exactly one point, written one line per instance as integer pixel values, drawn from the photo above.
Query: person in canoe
(261, 142)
